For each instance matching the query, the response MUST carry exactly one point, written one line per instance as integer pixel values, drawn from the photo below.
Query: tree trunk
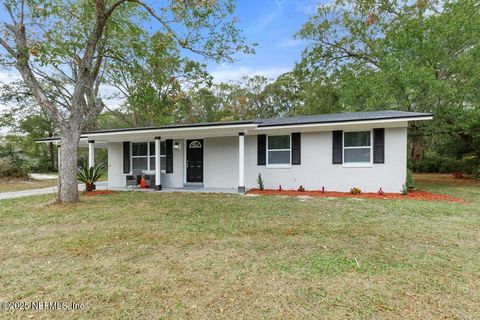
(67, 167)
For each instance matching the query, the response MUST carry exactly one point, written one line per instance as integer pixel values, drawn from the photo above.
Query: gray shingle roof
(341, 117)
(321, 118)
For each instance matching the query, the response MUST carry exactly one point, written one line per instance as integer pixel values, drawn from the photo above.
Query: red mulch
(415, 195)
(98, 192)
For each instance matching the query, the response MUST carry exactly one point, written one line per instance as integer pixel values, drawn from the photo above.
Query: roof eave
(348, 121)
(242, 127)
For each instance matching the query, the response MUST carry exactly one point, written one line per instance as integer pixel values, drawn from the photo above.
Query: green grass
(13, 184)
(185, 255)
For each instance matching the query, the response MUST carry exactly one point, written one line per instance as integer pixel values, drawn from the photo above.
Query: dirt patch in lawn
(414, 195)
(98, 193)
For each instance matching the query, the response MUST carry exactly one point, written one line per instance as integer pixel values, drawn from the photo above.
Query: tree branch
(7, 47)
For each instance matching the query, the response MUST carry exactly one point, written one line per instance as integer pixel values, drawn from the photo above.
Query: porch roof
(252, 126)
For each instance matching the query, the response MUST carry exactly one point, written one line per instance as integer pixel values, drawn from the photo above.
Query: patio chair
(134, 178)
(149, 180)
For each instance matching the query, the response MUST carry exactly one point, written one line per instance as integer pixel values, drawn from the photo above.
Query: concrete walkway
(27, 193)
(43, 176)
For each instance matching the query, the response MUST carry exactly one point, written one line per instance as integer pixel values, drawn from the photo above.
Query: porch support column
(158, 169)
(59, 185)
(241, 162)
(91, 153)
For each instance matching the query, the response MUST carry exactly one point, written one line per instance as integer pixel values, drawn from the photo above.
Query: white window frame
(280, 165)
(358, 164)
(148, 156)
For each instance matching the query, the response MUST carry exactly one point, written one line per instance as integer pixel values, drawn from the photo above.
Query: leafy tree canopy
(415, 56)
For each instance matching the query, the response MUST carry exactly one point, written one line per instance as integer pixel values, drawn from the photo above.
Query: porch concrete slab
(202, 190)
(197, 190)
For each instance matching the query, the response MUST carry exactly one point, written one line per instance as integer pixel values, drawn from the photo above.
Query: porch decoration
(143, 185)
(91, 175)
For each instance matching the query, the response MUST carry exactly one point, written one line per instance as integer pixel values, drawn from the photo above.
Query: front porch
(103, 185)
(206, 161)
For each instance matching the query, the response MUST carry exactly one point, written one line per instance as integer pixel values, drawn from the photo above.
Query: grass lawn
(13, 184)
(186, 255)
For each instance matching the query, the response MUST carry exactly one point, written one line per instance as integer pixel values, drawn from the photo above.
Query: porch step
(193, 185)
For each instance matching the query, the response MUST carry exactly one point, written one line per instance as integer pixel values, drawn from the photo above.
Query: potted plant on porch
(91, 175)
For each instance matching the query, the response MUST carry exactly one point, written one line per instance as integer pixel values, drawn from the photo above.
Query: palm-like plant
(91, 175)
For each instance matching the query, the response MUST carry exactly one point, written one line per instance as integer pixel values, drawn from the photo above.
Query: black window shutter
(337, 147)
(261, 149)
(296, 148)
(379, 145)
(169, 155)
(126, 157)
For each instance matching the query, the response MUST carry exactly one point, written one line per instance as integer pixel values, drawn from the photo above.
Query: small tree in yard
(91, 175)
(62, 49)
(260, 182)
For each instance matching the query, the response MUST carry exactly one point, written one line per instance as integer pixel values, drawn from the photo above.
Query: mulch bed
(413, 195)
(98, 193)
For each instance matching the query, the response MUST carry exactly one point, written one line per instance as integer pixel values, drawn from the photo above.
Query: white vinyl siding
(317, 170)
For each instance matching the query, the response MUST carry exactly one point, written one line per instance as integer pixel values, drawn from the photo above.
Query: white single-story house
(367, 150)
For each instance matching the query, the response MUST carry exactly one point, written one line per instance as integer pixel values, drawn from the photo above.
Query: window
(357, 147)
(143, 156)
(278, 150)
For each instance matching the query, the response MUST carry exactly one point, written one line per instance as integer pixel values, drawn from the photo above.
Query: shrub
(43, 165)
(260, 182)
(355, 190)
(13, 169)
(434, 162)
(404, 190)
(301, 188)
(91, 175)
(410, 183)
(476, 174)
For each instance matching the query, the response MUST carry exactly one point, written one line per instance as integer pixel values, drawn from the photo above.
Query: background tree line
(360, 56)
